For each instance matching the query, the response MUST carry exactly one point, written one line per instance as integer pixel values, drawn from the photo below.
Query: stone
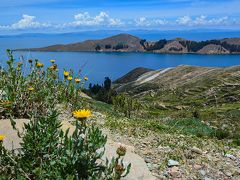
(174, 172)
(147, 160)
(196, 150)
(230, 156)
(173, 163)
(228, 173)
(164, 149)
(202, 172)
(197, 166)
(207, 178)
(150, 167)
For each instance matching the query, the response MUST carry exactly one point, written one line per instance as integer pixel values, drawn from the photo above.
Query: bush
(27, 94)
(59, 154)
(102, 93)
(221, 134)
(191, 127)
(125, 104)
(196, 114)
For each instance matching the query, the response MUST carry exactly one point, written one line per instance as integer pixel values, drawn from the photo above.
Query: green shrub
(125, 104)
(32, 91)
(196, 114)
(49, 153)
(221, 134)
(191, 126)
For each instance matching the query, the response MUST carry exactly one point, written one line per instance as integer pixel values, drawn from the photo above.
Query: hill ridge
(128, 43)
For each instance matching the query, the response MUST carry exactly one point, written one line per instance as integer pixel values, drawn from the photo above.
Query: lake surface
(97, 66)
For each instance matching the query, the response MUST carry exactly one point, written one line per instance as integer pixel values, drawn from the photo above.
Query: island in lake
(129, 43)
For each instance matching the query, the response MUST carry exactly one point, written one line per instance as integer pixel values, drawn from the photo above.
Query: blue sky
(17, 16)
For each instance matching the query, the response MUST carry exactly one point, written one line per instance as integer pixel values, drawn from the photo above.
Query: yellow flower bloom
(81, 114)
(2, 137)
(77, 80)
(66, 74)
(52, 61)
(86, 78)
(30, 88)
(69, 78)
(39, 65)
(53, 67)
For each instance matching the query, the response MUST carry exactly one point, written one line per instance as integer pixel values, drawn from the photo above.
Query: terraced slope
(178, 92)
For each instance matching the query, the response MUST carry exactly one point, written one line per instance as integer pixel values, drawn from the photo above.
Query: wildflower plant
(48, 152)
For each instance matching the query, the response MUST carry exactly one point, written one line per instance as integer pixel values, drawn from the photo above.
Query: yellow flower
(30, 88)
(2, 137)
(69, 78)
(66, 74)
(81, 114)
(77, 80)
(39, 65)
(86, 78)
(52, 61)
(53, 67)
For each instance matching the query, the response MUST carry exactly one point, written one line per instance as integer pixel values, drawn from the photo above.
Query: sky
(56, 16)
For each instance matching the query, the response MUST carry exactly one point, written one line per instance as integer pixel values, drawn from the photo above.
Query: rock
(207, 178)
(174, 172)
(173, 163)
(197, 166)
(147, 160)
(202, 172)
(147, 152)
(150, 167)
(160, 106)
(230, 156)
(196, 150)
(164, 149)
(228, 173)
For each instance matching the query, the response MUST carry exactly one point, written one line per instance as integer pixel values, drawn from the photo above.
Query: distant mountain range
(130, 43)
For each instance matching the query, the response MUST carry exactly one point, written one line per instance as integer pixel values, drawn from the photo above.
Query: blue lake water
(99, 65)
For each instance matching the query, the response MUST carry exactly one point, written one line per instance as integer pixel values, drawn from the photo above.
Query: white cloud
(204, 21)
(185, 20)
(103, 18)
(219, 21)
(27, 22)
(143, 21)
(201, 20)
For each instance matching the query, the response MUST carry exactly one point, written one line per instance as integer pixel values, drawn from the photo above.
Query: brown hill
(121, 42)
(129, 43)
